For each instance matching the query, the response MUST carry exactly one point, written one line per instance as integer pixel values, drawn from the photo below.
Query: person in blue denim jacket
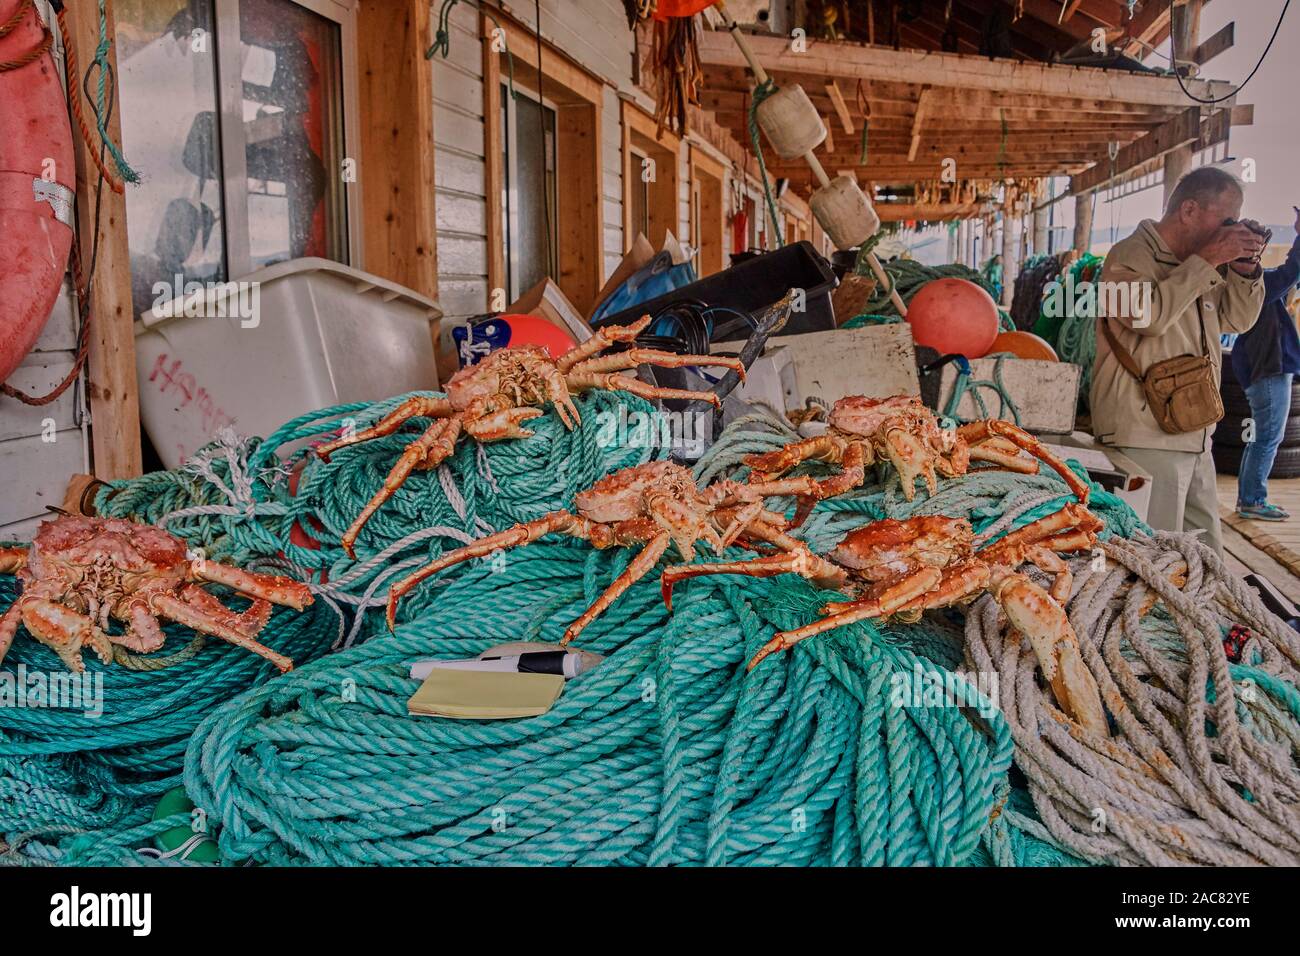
(1264, 360)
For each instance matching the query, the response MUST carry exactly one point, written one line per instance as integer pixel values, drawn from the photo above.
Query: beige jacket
(1166, 329)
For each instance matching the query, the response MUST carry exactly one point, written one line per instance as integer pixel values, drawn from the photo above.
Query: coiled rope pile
(668, 751)
(1205, 766)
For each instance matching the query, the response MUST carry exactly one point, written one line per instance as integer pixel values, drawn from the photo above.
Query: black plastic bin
(751, 287)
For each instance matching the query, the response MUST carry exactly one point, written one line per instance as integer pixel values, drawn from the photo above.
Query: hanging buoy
(37, 178)
(844, 212)
(790, 122)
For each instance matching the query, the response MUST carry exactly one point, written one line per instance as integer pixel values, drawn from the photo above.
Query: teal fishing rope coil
(101, 761)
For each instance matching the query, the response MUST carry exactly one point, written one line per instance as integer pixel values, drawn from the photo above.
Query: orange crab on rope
(899, 569)
(490, 401)
(653, 505)
(81, 572)
(904, 433)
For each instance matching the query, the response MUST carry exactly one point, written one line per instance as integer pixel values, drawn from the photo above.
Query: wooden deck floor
(1271, 548)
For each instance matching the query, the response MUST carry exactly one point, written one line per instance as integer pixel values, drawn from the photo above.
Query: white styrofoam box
(36, 473)
(1046, 393)
(1109, 467)
(878, 361)
(323, 334)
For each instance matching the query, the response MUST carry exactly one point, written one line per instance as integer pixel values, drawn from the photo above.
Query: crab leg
(504, 424)
(428, 451)
(145, 634)
(175, 609)
(251, 620)
(9, 627)
(634, 386)
(602, 339)
(976, 432)
(799, 561)
(622, 361)
(828, 448)
(524, 533)
(892, 599)
(419, 406)
(65, 631)
(637, 568)
(909, 456)
(269, 587)
(1033, 613)
(12, 560)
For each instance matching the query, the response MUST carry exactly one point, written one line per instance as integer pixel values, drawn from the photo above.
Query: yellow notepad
(485, 695)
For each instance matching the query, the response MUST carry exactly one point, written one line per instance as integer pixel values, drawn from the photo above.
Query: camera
(1257, 229)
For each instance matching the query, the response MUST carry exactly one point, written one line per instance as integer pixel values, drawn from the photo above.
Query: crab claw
(1033, 613)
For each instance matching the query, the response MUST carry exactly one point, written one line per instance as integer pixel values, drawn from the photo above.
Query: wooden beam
(1068, 9)
(918, 119)
(841, 107)
(111, 374)
(1180, 131)
(840, 60)
(1219, 43)
(396, 99)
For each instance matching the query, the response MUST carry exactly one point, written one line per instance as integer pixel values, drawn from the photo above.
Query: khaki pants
(1183, 495)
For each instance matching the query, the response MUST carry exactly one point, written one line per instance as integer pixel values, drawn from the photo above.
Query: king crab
(490, 401)
(653, 505)
(899, 569)
(903, 432)
(80, 572)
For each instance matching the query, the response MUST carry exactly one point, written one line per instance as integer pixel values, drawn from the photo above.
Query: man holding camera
(1264, 361)
(1190, 276)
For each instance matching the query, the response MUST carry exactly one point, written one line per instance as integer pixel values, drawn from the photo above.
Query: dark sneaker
(1264, 512)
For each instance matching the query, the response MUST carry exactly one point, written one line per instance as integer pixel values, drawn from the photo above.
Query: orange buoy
(1025, 345)
(36, 182)
(955, 317)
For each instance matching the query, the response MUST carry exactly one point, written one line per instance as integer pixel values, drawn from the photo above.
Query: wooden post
(1010, 248)
(1083, 222)
(396, 169)
(1184, 34)
(1040, 231)
(112, 388)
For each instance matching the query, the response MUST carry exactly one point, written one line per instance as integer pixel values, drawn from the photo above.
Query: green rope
(966, 385)
(762, 92)
(100, 61)
(441, 45)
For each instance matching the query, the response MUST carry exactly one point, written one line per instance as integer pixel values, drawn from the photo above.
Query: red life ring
(37, 179)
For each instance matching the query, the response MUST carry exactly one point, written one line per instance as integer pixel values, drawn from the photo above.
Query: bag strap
(1124, 355)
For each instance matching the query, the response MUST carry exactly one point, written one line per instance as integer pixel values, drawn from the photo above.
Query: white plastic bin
(258, 351)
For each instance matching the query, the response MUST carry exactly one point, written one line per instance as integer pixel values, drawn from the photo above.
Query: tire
(1236, 403)
(1227, 461)
(1228, 432)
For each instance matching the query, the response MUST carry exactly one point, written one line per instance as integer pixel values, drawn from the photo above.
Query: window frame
(708, 237)
(230, 128)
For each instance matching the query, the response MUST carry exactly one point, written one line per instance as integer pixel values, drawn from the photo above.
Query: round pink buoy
(954, 316)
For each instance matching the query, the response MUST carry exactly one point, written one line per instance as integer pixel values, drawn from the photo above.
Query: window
(639, 197)
(568, 135)
(233, 113)
(528, 200)
(708, 218)
(650, 179)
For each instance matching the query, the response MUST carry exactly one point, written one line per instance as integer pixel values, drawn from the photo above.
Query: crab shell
(886, 549)
(521, 372)
(138, 553)
(626, 494)
(864, 417)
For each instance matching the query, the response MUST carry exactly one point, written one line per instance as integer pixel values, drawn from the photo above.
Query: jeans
(1270, 404)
